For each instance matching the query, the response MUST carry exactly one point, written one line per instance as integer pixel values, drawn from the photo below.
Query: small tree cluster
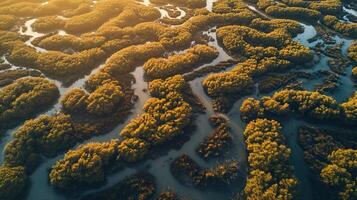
(185, 169)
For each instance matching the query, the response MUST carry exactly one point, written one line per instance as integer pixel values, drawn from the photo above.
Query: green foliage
(341, 172)
(24, 97)
(12, 182)
(180, 63)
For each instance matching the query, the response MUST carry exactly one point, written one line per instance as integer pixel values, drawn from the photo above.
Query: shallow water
(30, 32)
(159, 166)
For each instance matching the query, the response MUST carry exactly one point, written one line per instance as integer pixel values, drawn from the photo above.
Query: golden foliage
(12, 182)
(270, 175)
(24, 97)
(341, 172)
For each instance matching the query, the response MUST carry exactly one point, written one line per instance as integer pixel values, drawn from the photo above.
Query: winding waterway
(159, 166)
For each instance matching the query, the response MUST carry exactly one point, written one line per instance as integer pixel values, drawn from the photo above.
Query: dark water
(159, 167)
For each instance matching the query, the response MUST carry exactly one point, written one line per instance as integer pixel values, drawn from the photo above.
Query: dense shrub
(125, 60)
(227, 83)
(216, 143)
(102, 11)
(297, 13)
(270, 174)
(352, 51)
(47, 24)
(25, 97)
(340, 173)
(312, 104)
(189, 3)
(250, 42)
(293, 27)
(317, 144)
(7, 22)
(12, 182)
(327, 6)
(140, 186)
(186, 170)
(350, 109)
(164, 118)
(240, 78)
(160, 88)
(133, 149)
(44, 135)
(348, 29)
(132, 14)
(66, 42)
(180, 63)
(75, 100)
(227, 6)
(36, 8)
(54, 63)
(105, 99)
(85, 165)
